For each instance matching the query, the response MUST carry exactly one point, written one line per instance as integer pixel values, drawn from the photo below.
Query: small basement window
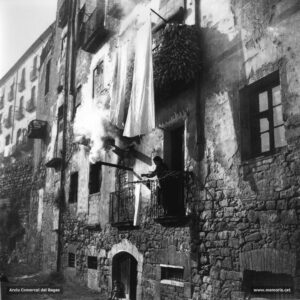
(172, 275)
(73, 187)
(92, 262)
(71, 260)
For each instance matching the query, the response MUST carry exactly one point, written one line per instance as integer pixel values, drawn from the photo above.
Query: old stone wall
(248, 206)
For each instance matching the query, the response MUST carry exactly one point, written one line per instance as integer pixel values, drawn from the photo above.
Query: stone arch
(127, 246)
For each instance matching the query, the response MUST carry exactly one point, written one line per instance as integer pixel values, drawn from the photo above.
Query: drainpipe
(199, 104)
(71, 9)
(14, 108)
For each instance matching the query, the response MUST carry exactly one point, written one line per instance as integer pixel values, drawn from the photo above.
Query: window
(10, 114)
(73, 188)
(11, 92)
(19, 136)
(7, 140)
(22, 82)
(21, 105)
(169, 272)
(261, 117)
(47, 79)
(98, 82)
(95, 178)
(60, 117)
(34, 67)
(92, 262)
(71, 260)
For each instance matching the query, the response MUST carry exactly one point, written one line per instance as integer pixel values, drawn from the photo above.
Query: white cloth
(118, 91)
(137, 194)
(141, 114)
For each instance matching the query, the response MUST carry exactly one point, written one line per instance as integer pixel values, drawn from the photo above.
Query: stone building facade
(18, 102)
(226, 124)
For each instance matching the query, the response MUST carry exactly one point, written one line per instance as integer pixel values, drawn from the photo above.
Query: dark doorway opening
(124, 269)
(174, 158)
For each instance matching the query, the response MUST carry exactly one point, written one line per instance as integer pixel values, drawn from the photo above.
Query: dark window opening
(73, 188)
(261, 117)
(19, 136)
(253, 280)
(47, 79)
(7, 140)
(71, 260)
(171, 273)
(34, 63)
(98, 82)
(172, 187)
(95, 178)
(92, 262)
(33, 93)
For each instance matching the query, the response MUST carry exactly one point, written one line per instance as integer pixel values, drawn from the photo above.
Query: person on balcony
(161, 172)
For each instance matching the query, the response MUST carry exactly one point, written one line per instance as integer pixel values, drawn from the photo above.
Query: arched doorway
(124, 269)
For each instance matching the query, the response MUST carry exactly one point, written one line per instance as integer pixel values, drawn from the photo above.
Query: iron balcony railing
(169, 196)
(122, 206)
(93, 30)
(37, 129)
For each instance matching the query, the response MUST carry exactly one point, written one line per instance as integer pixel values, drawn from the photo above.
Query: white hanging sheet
(141, 114)
(118, 91)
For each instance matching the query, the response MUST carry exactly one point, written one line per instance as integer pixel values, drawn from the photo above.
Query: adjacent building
(18, 102)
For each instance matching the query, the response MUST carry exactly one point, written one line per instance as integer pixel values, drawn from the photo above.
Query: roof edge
(35, 44)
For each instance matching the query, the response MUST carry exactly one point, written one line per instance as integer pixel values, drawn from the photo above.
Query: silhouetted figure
(161, 171)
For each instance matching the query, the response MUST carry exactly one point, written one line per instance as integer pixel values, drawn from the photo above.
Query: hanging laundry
(141, 115)
(118, 90)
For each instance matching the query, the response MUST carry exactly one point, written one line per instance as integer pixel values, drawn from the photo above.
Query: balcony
(37, 129)
(7, 122)
(176, 59)
(93, 32)
(169, 200)
(63, 14)
(33, 74)
(122, 207)
(30, 105)
(10, 95)
(19, 114)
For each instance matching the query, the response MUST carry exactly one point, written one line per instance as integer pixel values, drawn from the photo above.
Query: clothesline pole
(159, 15)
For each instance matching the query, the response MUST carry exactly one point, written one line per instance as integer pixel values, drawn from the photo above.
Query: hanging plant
(176, 59)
